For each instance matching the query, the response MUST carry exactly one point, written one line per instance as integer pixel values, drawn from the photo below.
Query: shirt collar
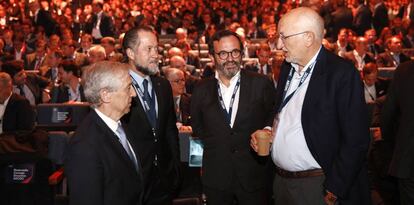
(7, 100)
(313, 59)
(139, 79)
(112, 124)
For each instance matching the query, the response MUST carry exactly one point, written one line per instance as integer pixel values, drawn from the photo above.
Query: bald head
(174, 51)
(177, 62)
(304, 19)
(171, 73)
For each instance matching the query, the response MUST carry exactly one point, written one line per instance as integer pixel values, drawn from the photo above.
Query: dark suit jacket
(106, 27)
(380, 18)
(166, 147)
(397, 121)
(185, 103)
(362, 19)
(98, 169)
(60, 94)
(45, 20)
(369, 58)
(227, 153)
(381, 86)
(386, 60)
(335, 125)
(341, 18)
(36, 84)
(19, 115)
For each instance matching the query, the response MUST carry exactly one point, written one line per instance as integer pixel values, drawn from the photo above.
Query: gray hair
(98, 49)
(103, 75)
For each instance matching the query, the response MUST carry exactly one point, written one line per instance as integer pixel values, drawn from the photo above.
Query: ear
(130, 53)
(310, 38)
(105, 96)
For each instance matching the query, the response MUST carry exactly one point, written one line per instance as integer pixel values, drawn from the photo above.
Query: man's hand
(330, 198)
(253, 138)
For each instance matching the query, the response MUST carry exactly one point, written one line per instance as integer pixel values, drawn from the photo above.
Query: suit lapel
(315, 82)
(215, 98)
(113, 141)
(243, 97)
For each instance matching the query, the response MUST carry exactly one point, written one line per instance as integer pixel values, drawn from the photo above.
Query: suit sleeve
(196, 112)
(25, 115)
(353, 134)
(390, 110)
(269, 100)
(84, 171)
(172, 132)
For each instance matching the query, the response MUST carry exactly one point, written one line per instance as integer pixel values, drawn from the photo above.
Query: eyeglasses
(283, 37)
(223, 55)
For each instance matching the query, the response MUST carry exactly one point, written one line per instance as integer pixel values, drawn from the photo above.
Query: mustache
(230, 63)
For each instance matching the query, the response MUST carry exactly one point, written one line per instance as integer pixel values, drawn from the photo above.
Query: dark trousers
(406, 187)
(236, 193)
(157, 192)
(298, 191)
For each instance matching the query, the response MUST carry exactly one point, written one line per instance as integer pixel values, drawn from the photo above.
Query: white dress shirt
(28, 94)
(370, 93)
(113, 126)
(2, 110)
(96, 31)
(139, 79)
(289, 150)
(227, 92)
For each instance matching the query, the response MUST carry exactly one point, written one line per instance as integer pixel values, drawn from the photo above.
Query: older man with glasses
(225, 110)
(320, 133)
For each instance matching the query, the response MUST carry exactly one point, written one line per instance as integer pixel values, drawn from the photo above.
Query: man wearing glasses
(321, 134)
(226, 109)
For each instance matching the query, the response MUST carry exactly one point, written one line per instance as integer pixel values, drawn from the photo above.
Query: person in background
(70, 89)
(374, 86)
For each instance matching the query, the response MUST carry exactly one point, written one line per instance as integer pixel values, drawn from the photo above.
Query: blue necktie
(124, 142)
(151, 113)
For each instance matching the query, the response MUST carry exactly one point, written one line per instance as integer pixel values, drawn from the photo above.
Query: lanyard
(289, 81)
(141, 95)
(233, 96)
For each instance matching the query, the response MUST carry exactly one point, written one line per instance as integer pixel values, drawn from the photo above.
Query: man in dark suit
(380, 16)
(363, 18)
(152, 118)
(374, 86)
(176, 77)
(102, 161)
(225, 110)
(43, 18)
(396, 126)
(341, 18)
(393, 55)
(321, 133)
(16, 114)
(263, 65)
(31, 86)
(100, 25)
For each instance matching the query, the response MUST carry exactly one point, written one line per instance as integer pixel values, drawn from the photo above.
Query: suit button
(234, 151)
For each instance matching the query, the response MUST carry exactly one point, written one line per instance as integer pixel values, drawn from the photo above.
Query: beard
(229, 68)
(148, 70)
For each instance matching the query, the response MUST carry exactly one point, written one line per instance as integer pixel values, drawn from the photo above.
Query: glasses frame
(283, 37)
(219, 54)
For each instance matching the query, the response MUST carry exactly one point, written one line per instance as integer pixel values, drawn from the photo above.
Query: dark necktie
(151, 113)
(124, 141)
